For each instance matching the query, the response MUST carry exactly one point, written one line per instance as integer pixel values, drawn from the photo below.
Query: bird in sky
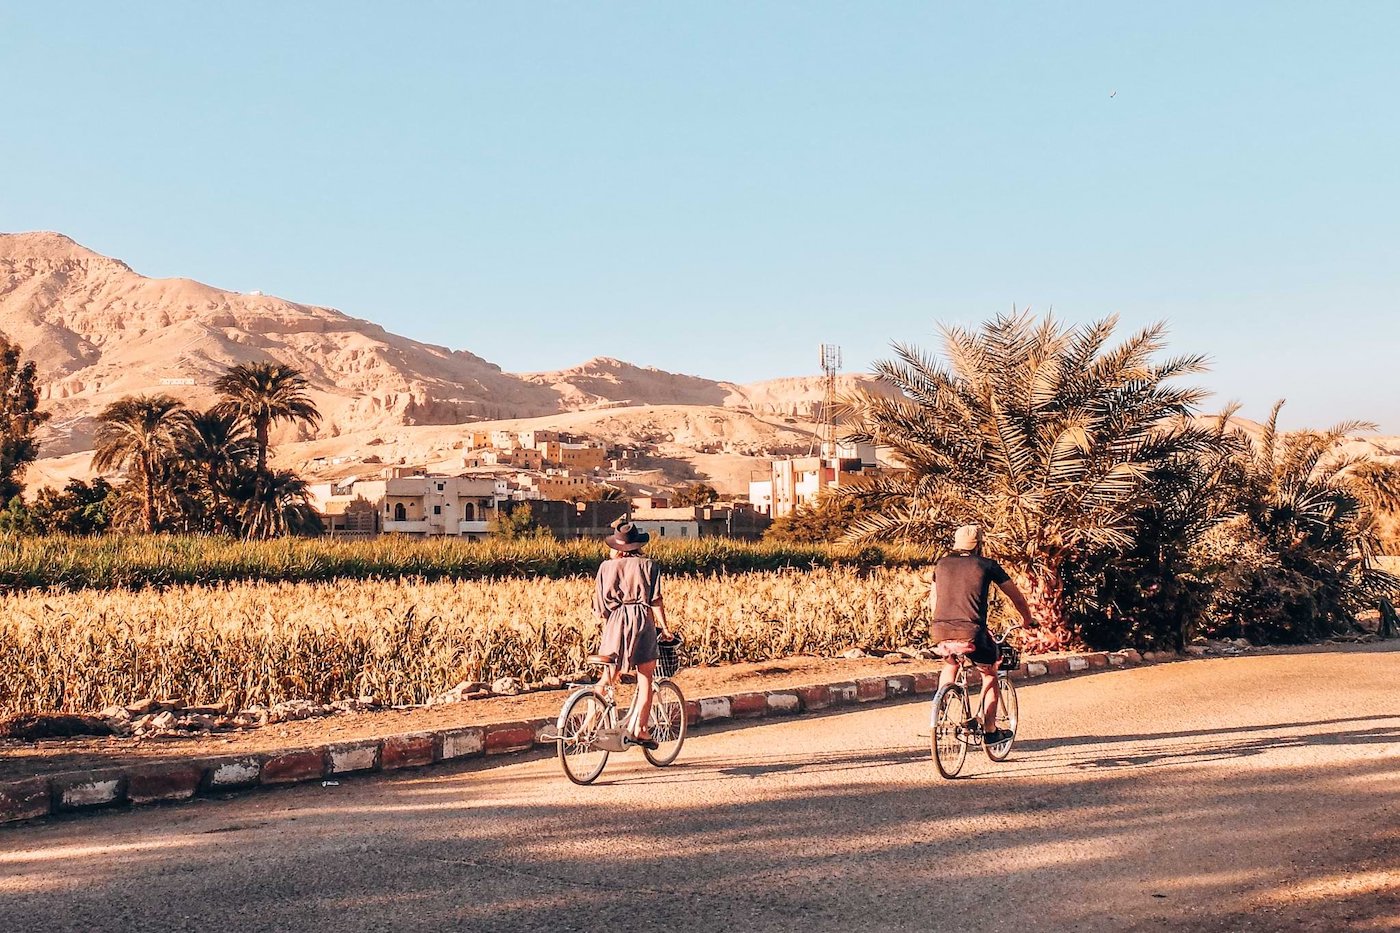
(1112, 93)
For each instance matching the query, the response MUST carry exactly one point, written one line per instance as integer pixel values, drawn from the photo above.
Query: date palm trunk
(1044, 589)
(148, 497)
(216, 501)
(259, 478)
(262, 433)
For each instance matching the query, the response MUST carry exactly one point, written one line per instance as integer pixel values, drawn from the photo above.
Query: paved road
(1205, 796)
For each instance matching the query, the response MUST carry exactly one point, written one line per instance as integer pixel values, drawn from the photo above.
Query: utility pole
(831, 366)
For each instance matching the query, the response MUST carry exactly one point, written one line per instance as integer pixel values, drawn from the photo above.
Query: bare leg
(949, 672)
(641, 705)
(991, 695)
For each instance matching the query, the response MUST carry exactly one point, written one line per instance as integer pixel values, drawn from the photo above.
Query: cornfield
(140, 561)
(406, 639)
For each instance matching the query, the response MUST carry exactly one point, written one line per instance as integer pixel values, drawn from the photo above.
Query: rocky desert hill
(99, 330)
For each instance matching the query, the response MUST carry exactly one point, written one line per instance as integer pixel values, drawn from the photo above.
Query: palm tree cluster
(1293, 551)
(207, 471)
(1095, 478)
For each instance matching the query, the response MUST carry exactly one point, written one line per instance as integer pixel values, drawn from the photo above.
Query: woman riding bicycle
(958, 598)
(628, 600)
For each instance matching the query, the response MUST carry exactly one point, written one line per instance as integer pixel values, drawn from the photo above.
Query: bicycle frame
(965, 663)
(610, 732)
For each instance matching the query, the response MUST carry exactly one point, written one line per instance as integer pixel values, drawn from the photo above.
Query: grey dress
(627, 586)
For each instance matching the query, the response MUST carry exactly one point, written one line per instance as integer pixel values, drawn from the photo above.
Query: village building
(535, 440)
(676, 524)
(406, 500)
(798, 481)
(568, 520)
(355, 518)
(523, 458)
(717, 520)
(561, 484)
(650, 502)
(571, 456)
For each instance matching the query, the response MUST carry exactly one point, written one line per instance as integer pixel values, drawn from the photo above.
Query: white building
(680, 523)
(408, 500)
(798, 481)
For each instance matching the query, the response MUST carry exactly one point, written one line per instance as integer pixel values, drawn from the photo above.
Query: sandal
(648, 742)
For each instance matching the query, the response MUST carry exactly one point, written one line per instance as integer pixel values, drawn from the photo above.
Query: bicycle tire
(947, 739)
(667, 723)
(1008, 717)
(583, 715)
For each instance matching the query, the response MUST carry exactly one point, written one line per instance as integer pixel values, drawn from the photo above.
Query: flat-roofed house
(409, 500)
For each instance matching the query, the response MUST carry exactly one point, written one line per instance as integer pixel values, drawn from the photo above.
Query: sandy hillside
(720, 446)
(99, 331)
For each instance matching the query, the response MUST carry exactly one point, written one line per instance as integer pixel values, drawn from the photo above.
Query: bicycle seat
(602, 659)
(950, 649)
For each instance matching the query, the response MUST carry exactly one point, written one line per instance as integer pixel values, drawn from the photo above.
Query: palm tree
(280, 505)
(218, 446)
(1377, 484)
(1307, 521)
(1150, 594)
(263, 394)
(1043, 434)
(141, 435)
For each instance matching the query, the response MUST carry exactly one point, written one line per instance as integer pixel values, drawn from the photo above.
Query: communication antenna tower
(831, 365)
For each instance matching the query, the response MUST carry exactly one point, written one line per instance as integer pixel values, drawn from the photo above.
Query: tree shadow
(819, 839)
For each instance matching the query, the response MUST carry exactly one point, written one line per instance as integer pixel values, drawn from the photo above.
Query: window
(400, 513)
(437, 510)
(439, 486)
(468, 513)
(663, 531)
(684, 531)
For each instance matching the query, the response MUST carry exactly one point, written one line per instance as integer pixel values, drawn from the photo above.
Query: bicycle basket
(1008, 656)
(668, 659)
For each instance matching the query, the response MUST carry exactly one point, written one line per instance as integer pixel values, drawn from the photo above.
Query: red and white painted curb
(184, 779)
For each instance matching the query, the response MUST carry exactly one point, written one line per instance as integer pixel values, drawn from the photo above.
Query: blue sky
(717, 188)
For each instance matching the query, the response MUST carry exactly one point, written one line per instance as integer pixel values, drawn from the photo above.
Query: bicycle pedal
(611, 740)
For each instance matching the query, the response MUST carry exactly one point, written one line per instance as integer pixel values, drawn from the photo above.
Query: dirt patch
(24, 759)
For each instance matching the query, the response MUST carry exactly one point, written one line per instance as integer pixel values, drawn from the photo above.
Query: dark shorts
(984, 649)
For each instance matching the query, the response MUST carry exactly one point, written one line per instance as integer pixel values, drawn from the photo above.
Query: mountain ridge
(99, 330)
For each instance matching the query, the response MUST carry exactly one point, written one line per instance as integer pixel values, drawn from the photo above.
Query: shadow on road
(1199, 746)
(882, 839)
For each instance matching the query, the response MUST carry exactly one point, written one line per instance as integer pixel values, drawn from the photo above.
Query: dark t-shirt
(962, 580)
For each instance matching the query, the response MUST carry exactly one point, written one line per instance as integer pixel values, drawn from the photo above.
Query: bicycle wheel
(583, 716)
(1008, 713)
(667, 724)
(948, 730)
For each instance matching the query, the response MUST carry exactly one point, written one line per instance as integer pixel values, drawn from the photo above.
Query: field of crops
(404, 640)
(140, 561)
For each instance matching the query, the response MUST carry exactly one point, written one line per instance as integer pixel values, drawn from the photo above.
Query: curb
(185, 779)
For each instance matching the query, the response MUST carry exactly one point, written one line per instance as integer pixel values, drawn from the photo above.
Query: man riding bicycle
(958, 598)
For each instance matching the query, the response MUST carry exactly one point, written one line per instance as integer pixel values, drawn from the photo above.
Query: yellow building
(590, 456)
(562, 484)
(521, 458)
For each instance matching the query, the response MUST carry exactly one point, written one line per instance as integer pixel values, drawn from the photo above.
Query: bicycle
(591, 727)
(954, 729)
